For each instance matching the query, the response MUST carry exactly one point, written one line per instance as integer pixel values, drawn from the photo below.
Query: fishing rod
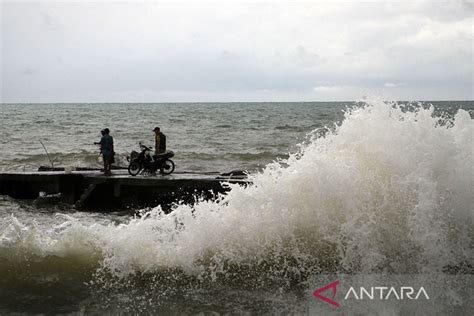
(47, 154)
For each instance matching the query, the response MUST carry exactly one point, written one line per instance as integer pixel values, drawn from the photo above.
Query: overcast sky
(165, 51)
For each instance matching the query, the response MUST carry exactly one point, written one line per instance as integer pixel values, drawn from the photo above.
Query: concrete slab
(91, 188)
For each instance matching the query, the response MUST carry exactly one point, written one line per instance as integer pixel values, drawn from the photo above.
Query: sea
(373, 193)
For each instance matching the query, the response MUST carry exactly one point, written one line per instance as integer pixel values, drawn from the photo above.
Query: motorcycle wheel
(167, 167)
(134, 168)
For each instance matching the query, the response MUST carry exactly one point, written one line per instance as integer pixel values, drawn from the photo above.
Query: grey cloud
(228, 56)
(29, 71)
(95, 52)
(305, 57)
(50, 22)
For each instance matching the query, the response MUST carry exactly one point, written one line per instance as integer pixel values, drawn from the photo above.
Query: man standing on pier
(160, 141)
(107, 150)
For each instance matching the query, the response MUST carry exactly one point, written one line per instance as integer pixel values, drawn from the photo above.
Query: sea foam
(386, 190)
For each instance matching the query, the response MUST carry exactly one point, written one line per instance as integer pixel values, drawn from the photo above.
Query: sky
(228, 51)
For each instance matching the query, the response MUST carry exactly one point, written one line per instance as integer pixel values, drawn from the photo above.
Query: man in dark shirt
(160, 141)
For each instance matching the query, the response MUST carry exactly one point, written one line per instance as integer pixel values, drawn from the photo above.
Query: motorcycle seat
(165, 155)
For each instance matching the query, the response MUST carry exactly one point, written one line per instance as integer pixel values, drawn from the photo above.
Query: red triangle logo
(326, 299)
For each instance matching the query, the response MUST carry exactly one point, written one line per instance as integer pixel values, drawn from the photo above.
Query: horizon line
(226, 102)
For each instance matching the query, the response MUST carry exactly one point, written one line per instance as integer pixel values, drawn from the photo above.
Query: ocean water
(372, 189)
(205, 137)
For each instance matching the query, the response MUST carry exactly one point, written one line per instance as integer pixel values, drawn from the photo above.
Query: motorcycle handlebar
(145, 147)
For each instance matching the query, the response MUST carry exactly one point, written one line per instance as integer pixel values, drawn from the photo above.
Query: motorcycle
(146, 164)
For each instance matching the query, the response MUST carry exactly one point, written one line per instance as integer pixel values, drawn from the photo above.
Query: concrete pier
(91, 189)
